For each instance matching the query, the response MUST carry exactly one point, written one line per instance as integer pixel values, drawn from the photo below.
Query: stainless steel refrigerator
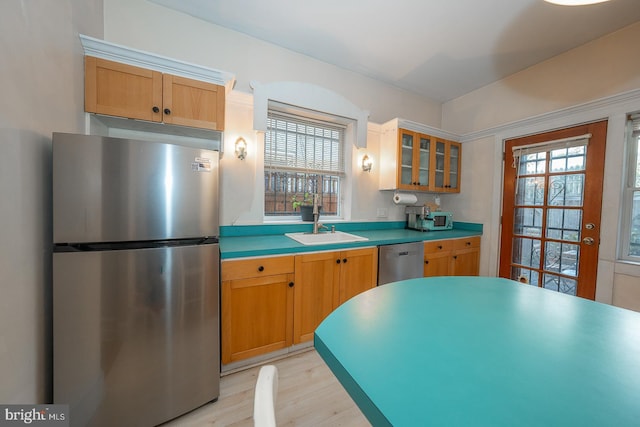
(135, 279)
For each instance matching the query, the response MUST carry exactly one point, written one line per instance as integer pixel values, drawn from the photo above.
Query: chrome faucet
(316, 215)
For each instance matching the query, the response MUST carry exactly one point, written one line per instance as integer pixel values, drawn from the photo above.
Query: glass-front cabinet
(416, 161)
(447, 166)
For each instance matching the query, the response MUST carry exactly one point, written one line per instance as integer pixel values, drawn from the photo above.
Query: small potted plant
(305, 205)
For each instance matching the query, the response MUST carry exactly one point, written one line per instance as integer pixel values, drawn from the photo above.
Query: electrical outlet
(382, 213)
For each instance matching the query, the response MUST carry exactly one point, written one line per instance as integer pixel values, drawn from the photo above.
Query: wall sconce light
(241, 148)
(366, 163)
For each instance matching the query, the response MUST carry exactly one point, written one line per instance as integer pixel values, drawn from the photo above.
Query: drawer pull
(439, 246)
(261, 268)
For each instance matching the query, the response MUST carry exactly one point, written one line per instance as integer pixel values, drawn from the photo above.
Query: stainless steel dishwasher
(400, 262)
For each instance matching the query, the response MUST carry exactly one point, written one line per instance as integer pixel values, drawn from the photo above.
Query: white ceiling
(438, 48)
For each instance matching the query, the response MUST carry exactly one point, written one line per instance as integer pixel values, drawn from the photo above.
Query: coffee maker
(416, 216)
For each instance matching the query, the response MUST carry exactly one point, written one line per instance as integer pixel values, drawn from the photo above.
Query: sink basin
(325, 238)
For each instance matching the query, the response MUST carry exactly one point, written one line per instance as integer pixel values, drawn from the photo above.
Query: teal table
(480, 351)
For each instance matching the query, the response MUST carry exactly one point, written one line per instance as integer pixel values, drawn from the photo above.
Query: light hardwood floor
(308, 395)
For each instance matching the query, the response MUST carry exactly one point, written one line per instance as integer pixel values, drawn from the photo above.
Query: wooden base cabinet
(257, 306)
(454, 257)
(124, 90)
(325, 280)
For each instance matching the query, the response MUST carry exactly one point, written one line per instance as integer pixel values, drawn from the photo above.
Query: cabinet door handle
(291, 284)
(455, 257)
(167, 111)
(337, 261)
(261, 268)
(155, 109)
(426, 261)
(344, 260)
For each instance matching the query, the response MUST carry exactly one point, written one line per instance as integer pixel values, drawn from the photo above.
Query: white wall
(150, 27)
(42, 92)
(183, 37)
(599, 80)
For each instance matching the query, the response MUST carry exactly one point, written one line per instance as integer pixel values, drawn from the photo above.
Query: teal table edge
(368, 408)
(505, 350)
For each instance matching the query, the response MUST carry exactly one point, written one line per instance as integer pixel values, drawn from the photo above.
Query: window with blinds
(302, 157)
(631, 227)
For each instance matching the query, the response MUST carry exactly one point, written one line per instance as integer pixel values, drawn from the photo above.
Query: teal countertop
(482, 351)
(252, 241)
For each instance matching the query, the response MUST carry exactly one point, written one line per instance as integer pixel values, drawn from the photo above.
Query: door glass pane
(568, 159)
(531, 164)
(560, 284)
(530, 191)
(566, 190)
(561, 258)
(564, 224)
(439, 164)
(453, 180)
(524, 275)
(407, 159)
(528, 222)
(425, 146)
(405, 177)
(526, 252)
(453, 166)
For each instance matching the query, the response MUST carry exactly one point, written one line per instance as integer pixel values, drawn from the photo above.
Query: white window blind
(635, 124)
(541, 147)
(294, 144)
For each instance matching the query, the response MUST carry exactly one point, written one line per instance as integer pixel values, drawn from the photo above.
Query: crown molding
(115, 52)
(585, 112)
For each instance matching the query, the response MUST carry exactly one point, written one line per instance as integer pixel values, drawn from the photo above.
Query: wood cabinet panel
(359, 272)
(437, 264)
(316, 276)
(189, 102)
(123, 90)
(453, 257)
(327, 279)
(256, 267)
(256, 307)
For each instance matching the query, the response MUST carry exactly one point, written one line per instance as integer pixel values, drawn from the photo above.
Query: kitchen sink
(325, 238)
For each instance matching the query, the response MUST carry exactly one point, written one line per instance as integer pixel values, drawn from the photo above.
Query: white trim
(310, 97)
(421, 128)
(138, 58)
(591, 109)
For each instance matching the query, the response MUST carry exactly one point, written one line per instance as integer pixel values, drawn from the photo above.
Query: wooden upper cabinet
(192, 103)
(122, 90)
(415, 161)
(446, 166)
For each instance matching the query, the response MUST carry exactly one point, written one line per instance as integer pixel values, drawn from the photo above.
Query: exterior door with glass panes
(552, 203)
(414, 161)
